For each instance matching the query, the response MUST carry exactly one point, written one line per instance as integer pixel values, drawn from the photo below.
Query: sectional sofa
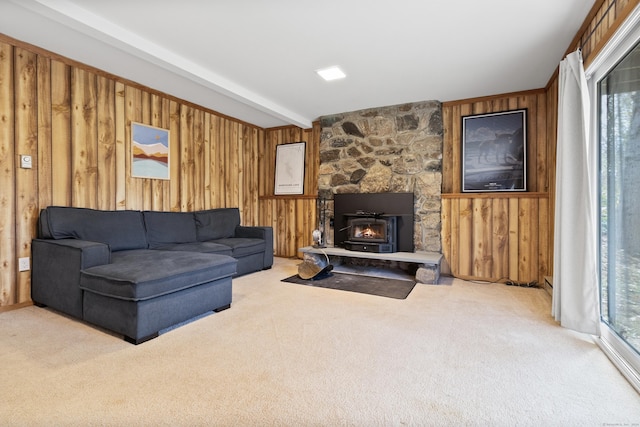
(138, 272)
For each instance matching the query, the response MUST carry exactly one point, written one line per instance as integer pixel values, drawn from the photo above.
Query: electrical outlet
(23, 264)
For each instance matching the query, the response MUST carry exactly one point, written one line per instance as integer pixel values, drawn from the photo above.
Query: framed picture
(290, 168)
(494, 151)
(149, 152)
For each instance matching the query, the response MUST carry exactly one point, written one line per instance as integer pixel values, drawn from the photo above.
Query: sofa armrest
(257, 232)
(55, 275)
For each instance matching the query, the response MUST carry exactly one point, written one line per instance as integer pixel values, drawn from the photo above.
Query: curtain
(575, 273)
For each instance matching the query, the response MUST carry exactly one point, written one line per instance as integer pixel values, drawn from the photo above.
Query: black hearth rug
(380, 286)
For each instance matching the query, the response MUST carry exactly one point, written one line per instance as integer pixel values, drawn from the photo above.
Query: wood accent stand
(428, 260)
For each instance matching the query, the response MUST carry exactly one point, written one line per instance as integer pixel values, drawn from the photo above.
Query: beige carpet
(290, 355)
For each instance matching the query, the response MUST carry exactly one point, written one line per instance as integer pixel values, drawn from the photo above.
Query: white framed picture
(290, 168)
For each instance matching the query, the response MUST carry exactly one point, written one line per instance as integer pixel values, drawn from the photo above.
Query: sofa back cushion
(215, 224)
(121, 230)
(169, 227)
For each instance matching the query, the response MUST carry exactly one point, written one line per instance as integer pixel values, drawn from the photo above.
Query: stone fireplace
(395, 149)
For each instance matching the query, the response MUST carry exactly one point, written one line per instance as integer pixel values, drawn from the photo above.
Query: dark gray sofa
(136, 273)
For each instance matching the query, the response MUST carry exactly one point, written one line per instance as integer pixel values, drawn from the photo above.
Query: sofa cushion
(169, 227)
(203, 247)
(121, 230)
(243, 246)
(144, 274)
(217, 223)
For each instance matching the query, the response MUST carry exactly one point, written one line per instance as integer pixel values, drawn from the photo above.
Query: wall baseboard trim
(15, 306)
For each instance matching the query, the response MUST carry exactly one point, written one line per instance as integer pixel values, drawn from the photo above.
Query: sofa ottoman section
(144, 291)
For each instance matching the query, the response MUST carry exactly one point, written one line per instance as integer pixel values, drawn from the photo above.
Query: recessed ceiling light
(331, 73)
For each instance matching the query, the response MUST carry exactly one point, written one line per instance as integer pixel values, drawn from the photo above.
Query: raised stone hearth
(387, 149)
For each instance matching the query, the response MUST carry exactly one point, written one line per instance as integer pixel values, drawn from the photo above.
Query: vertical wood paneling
(465, 245)
(198, 160)
(75, 122)
(174, 161)
(84, 139)
(8, 159)
(500, 238)
(206, 159)
(120, 124)
(61, 134)
(544, 250)
(542, 160)
(106, 144)
(495, 238)
(222, 162)
(82, 157)
(44, 160)
(233, 172)
(454, 258)
(26, 138)
(293, 217)
(187, 169)
(514, 238)
(131, 192)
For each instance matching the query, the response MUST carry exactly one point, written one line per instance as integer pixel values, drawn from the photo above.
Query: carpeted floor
(466, 354)
(379, 286)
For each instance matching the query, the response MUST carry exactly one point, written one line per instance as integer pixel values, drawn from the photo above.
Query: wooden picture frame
(494, 151)
(289, 177)
(150, 153)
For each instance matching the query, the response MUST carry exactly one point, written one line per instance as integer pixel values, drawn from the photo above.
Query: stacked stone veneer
(387, 149)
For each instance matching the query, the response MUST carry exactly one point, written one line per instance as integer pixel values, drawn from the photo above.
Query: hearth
(371, 232)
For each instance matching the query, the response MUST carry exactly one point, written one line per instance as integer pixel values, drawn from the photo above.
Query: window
(614, 80)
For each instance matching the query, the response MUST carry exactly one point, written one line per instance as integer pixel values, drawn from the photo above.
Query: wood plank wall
(603, 20)
(75, 123)
(293, 217)
(497, 236)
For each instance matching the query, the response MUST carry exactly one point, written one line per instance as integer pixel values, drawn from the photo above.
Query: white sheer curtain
(575, 274)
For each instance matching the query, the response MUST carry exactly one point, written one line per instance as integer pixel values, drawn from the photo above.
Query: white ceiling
(255, 60)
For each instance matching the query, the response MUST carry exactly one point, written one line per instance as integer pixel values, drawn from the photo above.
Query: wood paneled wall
(603, 20)
(497, 236)
(75, 123)
(293, 217)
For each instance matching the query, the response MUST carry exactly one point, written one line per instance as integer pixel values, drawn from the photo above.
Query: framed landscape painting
(494, 151)
(149, 152)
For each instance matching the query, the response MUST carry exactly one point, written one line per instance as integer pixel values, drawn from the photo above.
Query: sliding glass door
(618, 134)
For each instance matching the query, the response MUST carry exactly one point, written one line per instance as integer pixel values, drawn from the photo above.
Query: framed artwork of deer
(494, 151)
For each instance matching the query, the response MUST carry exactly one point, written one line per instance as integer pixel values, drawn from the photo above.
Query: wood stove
(371, 232)
(396, 209)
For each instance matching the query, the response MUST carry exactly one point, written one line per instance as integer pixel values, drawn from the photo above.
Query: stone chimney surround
(387, 149)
